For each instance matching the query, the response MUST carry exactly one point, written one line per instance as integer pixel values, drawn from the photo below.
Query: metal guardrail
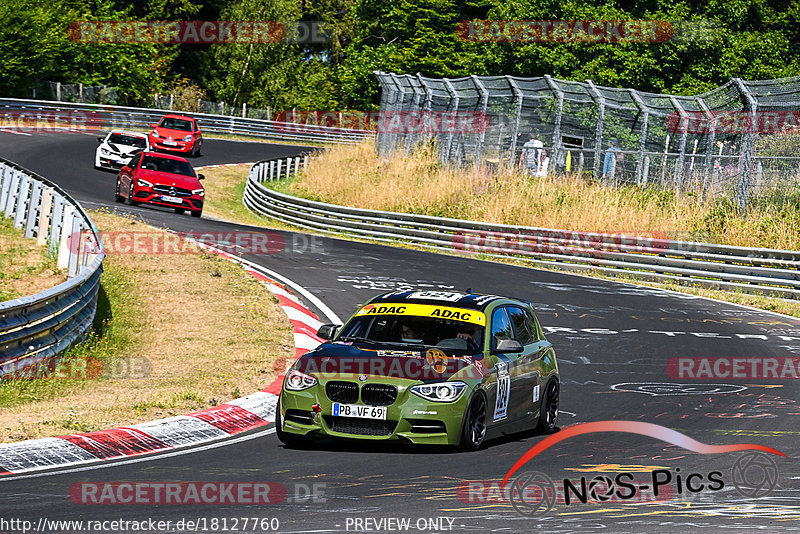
(105, 117)
(37, 328)
(750, 270)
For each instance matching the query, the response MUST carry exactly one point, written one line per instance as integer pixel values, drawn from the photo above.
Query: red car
(176, 133)
(161, 179)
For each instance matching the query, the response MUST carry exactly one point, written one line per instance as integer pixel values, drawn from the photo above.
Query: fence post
(297, 164)
(557, 144)
(641, 177)
(646, 169)
(279, 169)
(664, 164)
(428, 95)
(305, 161)
(171, 101)
(58, 91)
(750, 106)
(454, 100)
(684, 129)
(484, 126)
(271, 170)
(711, 140)
(518, 96)
(80, 92)
(244, 110)
(598, 136)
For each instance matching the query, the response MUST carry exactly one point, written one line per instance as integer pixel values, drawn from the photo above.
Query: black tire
(473, 432)
(548, 411)
(287, 438)
(117, 196)
(180, 211)
(196, 213)
(129, 201)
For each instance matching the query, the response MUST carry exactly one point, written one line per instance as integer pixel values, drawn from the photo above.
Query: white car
(118, 148)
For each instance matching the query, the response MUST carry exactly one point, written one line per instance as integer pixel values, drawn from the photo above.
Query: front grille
(165, 190)
(425, 426)
(378, 394)
(346, 392)
(300, 416)
(361, 427)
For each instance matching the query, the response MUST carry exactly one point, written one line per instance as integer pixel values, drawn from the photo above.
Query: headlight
(154, 134)
(200, 192)
(143, 183)
(297, 381)
(440, 391)
(187, 138)
(104, 152)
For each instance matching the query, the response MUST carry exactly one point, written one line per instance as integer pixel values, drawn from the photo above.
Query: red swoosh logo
(633, 427)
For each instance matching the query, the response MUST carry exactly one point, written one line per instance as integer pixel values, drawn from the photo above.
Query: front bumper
(148, 196)
(182, 147)
(409, 417)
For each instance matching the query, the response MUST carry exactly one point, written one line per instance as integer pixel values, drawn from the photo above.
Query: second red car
(176, 133)
(161, 179)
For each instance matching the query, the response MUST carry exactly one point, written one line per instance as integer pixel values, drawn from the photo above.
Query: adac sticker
(425, 310)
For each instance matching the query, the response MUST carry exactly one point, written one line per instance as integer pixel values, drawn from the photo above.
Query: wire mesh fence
(737, 140)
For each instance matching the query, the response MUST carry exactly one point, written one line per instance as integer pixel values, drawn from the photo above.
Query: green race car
(430, 367)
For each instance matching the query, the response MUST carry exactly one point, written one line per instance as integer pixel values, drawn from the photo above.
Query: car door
(526, 388)
(504, 371)
(126, 173)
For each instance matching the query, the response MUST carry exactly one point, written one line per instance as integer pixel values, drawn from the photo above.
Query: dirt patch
(25, 267)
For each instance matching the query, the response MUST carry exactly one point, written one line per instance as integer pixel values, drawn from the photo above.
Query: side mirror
(152, 126)
(506, 345)
(201, 176)
(101, 138)
(327, 331)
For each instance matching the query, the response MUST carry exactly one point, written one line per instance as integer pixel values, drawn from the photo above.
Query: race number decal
(503, 391)
(437, 295)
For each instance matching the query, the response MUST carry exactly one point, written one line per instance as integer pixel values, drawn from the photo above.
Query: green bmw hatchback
(429, 367)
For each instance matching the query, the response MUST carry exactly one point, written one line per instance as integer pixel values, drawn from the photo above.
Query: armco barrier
(103, 117)
(750, 270)
(38, 327)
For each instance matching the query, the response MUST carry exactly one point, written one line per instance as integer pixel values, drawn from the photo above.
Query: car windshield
(176, 124)
(127, 140)
(172, 166)
(428, 331)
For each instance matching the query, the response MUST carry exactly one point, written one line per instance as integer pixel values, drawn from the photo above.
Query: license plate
(167, 198)
(170, 142)
(357, 410)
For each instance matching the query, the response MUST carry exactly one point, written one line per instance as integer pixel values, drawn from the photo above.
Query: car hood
(169, 179)
(175, 134)
(126, 150)
(348, 361)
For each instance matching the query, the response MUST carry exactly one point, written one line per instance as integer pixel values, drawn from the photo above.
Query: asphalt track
(613, 342)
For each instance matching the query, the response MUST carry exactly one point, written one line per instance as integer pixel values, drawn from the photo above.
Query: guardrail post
(55, 223)
(271, 171)
(13, 193)
(64, 237)
(33, 209)
(44, 216)
(5, 184)
(297, 164)
(279, 169)
(75, 247)
(305, 161)
(598, 136)
(22, 200)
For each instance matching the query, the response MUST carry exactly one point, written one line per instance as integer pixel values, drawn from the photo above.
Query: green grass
(115, 329)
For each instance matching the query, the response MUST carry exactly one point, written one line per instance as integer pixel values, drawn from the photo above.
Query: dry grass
(356, 176)
(208, 331)
(25, 267)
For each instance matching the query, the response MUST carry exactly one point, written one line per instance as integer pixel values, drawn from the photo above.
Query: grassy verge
(176, 333)
(25, 267)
